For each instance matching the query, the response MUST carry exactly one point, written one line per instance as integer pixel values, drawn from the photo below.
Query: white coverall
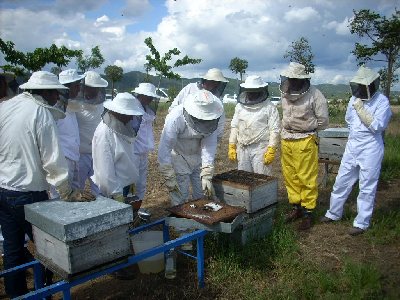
(361, 160)
(30, 154)
(257, 127)
(144, 144)
(88, 116)
(68, 133)
(189, 89)
(113, 161)
(187, 151)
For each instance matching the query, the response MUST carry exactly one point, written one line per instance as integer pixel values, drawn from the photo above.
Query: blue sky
(216, 31)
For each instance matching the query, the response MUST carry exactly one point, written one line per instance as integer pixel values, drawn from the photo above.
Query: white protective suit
(187, 151)
(113, 161)
(190, 89)
(88, 116)
(253, 129)
(144, 144)
(361, 160)
(30, 154)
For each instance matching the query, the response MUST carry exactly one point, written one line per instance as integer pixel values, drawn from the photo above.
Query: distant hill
(132, 79)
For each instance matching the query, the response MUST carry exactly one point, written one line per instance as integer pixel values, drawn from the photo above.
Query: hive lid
(243, 179)
(334, 132)
(195, 210)
(68, 221)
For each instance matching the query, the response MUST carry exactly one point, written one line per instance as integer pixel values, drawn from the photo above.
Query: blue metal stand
(65, 286)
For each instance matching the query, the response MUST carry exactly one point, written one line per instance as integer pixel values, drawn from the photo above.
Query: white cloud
(341, 28)
(100, 21)
(301, 15)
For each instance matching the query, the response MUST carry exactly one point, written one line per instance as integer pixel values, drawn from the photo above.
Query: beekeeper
(144, 142)
(114, 162)
(89, 108)
(188, 145)
(255, 128)
(30, 159)
(214, 82)
(368, 114)
(68, 130)
(305, 112)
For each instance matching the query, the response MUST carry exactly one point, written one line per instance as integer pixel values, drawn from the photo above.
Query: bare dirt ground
(324, 243)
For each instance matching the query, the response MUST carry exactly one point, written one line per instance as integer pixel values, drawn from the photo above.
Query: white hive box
(72, 237)
(246, 189)
(332, 142)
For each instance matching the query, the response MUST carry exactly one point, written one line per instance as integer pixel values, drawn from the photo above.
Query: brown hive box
(246, 189)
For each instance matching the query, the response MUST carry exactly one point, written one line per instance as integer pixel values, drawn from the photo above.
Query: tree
(160, 63)
(114, 73)
(36, 60)
(56, 70)
(147, 68)
(238, 65)
(384, 35)
(92, 61)
(300, 52)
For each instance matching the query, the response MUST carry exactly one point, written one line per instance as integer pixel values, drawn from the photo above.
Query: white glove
(363, 114)
(168, 172)
(206, 176)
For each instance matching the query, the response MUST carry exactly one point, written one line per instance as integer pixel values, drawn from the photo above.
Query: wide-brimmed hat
(365, 76)
(146, 89)
(295, 70)
(68, 76)
(94, 79)
(254, 82)
(125, 104)
(42, 80)
(214, 74)
(203, 105)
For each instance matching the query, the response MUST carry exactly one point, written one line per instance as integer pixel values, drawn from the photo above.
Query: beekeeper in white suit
(144, 143)
(188, 145)
(88, 113)
(367, 116)
(214, 82)
(30, 159)
(114, 163)
(255, 128)
(68, 130)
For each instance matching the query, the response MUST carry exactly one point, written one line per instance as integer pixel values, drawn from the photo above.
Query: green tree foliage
(56, 70)
(300, 52)
(36, 60)
(160, 63)
(92, 61)
(238, 66)
(147, 68)
(114, 73)
(384, 37)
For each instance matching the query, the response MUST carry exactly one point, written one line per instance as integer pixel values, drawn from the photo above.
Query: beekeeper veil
(147, 96)
(94, 88)
(365, 84)
(294, 81)
(74, 81)
(202, 111)
(254, 90)
(214, 82)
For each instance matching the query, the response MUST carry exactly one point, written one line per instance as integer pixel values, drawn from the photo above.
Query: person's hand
(206, 176)
(358, 104)
(232, 155)
(269, 155)
(168, 172)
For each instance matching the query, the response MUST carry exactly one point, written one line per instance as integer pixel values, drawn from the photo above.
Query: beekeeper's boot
(306, 221)
(294, 214)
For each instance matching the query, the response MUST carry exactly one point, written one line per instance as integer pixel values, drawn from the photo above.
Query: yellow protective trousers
(299, 160)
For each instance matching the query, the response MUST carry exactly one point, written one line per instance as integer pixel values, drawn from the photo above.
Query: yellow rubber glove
(232, 152)
(269, 155)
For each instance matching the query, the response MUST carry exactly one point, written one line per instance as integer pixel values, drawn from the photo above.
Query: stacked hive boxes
(257, 193)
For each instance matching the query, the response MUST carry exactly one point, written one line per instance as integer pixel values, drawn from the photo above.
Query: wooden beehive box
(332, 142)
(255, 226)
(249, 190)
(72, 237)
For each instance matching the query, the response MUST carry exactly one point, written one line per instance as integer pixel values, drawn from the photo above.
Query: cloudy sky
(259, 31)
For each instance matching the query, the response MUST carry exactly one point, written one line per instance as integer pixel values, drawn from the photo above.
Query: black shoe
(306, 222)
(325, 220)
(356, 231)
(294, 214)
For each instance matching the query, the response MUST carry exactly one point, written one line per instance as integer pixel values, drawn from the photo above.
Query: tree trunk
(389, 76)
(112, 89)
